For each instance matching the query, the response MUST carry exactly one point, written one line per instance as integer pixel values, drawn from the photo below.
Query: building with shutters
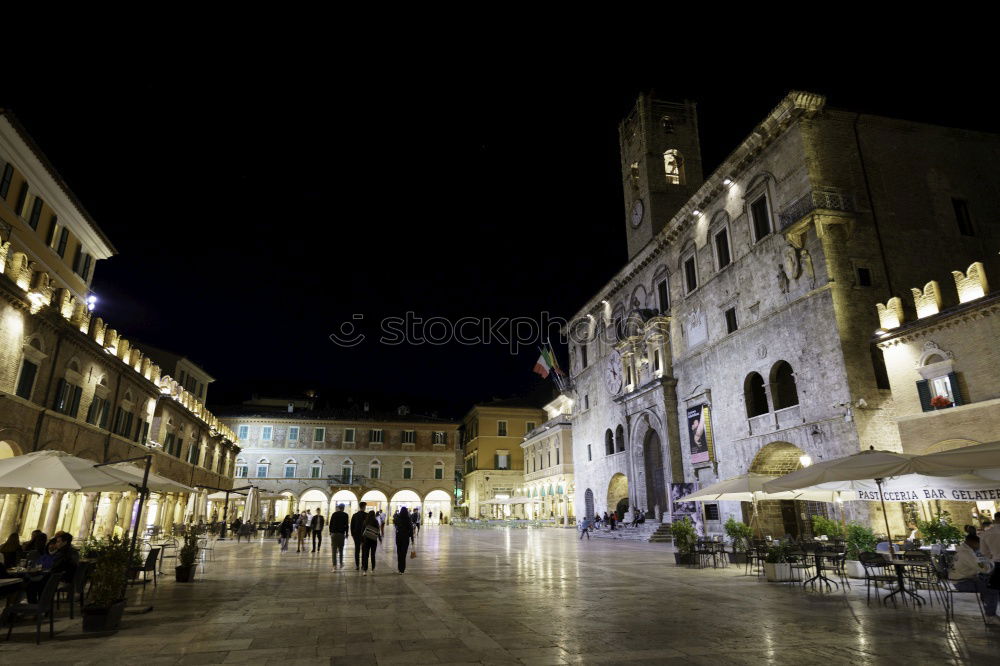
(69, 381)
(738, 336)
(493, 458)
(943, 364)
(548, 489)
(303, 458)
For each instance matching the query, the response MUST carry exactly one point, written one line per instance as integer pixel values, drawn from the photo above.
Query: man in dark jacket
(338, 533)
(358, 532)
(316, 527)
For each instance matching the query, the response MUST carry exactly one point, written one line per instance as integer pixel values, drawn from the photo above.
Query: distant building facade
(70, 382)
(738, 336)
(493, 458)
(549, 487)
(305, 459)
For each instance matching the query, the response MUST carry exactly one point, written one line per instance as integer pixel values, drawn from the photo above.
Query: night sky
(254, 213)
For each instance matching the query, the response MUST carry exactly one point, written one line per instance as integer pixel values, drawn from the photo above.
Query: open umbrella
(980, 459)
(57, 470)
(156, 483)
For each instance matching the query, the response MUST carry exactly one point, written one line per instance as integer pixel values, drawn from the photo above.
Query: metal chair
(149, 565)
(949, 608)
(168, 550)
(876, 571)
(74, 587)
(205, 551)
(39, 610)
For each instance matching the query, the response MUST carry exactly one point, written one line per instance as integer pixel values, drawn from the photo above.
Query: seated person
(64, 560)
(37, 542)
(970, 573)
(11, 550)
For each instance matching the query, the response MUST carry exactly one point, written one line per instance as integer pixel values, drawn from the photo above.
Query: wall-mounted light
(696, 212)
(91, 302)
(805, 460)
(727, 181)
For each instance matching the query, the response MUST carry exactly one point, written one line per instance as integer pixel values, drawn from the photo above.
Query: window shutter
(105, 409)
(924, 391)
(91, 411)
(955, 390)
(74, 405)
(22, 195)
(60, 401)
(496, 461)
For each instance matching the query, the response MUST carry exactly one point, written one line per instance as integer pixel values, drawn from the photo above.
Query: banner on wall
(699, 422)
(678, 490)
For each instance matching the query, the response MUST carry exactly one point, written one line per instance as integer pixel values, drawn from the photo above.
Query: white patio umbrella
(156, 483)
(980, 459)
(57, 470)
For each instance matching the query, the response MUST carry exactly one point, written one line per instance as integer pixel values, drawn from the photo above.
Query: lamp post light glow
(91, 302)
(805, 460)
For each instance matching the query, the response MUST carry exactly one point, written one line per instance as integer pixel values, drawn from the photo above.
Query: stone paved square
(503, 596)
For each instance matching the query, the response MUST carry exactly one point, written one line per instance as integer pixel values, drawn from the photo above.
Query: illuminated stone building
(302, 458)
(494, 460)
(68, 381)
(548, 487)
(944, 368)
(738, 337)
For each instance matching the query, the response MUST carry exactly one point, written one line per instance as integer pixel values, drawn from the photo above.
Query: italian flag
(546, 363)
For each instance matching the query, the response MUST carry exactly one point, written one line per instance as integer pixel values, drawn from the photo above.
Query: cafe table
(900, 566)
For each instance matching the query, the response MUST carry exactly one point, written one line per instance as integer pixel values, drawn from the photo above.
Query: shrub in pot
(859, 539)
(776, 566)
(684, 538)
(823, 526)
(106, 597)
(188, 556)
(940, 529)
(739, 534)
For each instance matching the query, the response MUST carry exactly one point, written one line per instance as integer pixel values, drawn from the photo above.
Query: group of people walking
(366, 529)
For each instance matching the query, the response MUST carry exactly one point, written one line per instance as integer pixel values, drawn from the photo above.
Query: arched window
(783, 390)
(438, 470)
(290, 469)
(619, 439)
(30, 362)
(316, 469)
(407, 469)
(69, 390)
(609, 442)
(262, 466)
(375, 469)
(673, 166)
(754, 395)
(241, 468)
(123, 416)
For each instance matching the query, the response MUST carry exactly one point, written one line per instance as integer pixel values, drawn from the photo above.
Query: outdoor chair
(835, 561)
(949, 607)
(149, 565)
(168, 550)
(756, 561)
(877, 570)
(72, 588)
(922, 575)
(205, 551)
(705, 551)
(39, 610)
(801, 562)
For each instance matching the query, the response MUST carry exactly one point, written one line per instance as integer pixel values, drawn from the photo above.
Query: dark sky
(254, 213)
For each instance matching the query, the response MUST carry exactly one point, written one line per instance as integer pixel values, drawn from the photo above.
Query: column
(65, 521)
(111, 517)
(52, 513)
(86, 514)
(166, 511)
(180, 510)
(8, 516)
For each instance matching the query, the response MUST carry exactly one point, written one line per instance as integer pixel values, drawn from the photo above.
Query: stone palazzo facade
(70, 382)
(738, 337)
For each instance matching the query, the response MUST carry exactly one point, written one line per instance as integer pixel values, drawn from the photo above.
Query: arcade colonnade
(275, 506)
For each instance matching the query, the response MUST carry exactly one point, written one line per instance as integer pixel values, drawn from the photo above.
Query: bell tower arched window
(673, 166)
(783, 389)
(754, 395)
(609, 442)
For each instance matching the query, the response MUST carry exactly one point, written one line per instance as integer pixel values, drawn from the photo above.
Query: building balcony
(976, 422)
(554, 470)
(779, 419)
(820, 198)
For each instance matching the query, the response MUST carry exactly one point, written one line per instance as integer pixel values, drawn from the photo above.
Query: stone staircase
(649, 531)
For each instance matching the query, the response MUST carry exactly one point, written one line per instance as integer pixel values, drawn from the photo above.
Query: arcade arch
(438, 503)
(618, 494)
(376, 501)
(406, 498)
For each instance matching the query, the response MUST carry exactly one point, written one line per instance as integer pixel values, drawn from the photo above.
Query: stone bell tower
(661, 165)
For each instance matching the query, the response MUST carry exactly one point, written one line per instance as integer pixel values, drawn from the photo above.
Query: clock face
(613, 372)
(637, 209)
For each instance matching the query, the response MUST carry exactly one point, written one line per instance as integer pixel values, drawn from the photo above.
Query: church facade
(739, 335)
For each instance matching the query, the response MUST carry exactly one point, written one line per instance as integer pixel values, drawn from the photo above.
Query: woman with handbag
(285, 532)
(404, 535)
(372, 535)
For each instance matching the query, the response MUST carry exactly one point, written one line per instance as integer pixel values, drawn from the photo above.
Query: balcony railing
(825, 198)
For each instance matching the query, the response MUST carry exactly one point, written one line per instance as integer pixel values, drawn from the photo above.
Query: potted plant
(860, 539)
(684, 538)
(823, 526)
(776, 566)
(188, 555)
(940, 530)
(940, 402)
(106, 598)
(739, 536)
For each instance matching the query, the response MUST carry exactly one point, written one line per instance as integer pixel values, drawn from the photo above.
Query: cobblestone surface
(523, 596)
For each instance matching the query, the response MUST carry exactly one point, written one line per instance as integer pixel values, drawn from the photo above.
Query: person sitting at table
(11, 550)
(970, 573)
(64, 561)
(37, 542)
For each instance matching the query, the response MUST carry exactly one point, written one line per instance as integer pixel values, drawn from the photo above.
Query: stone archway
(656, 480)
(780, 517)
(617, 491)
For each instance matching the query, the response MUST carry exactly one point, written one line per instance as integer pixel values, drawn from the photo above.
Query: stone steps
(645, 532)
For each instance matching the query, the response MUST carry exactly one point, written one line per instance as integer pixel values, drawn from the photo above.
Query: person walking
(611, 520)
(415, 517)
(404, 535)
(302, 527)
(585, 528)
(316, 525)
(357, 531)
(285, 532)
(338, 534)
(371, 537)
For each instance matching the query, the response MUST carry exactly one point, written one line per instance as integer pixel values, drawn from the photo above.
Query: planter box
(739, 557)
(103, 619)
(185, 574)
(685, 558)
(780, 572)
(854, 569)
